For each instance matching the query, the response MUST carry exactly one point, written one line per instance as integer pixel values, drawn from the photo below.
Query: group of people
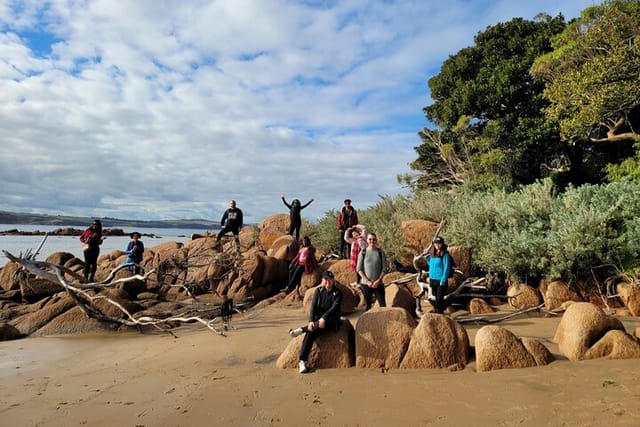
(366, 259)
(91, 239)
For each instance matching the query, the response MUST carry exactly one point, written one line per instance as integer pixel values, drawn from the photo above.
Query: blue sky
(149, 109)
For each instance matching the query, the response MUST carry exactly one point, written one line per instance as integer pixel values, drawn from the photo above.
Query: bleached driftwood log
(78, 292)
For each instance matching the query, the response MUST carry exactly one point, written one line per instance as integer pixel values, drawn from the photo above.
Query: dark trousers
(311, 336)
(295, 227)
(232, 229)
(91, 263)
(295, 275)
(343, 245)
(369, 292)
(439, 292)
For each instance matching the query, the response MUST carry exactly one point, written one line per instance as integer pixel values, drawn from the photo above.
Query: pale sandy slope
(204, 379)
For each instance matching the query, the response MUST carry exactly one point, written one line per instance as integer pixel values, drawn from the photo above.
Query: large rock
(8, 276)
(330, 350)
(630, 296)
(480, 306)
(342, 272)
(581, 326)
(35, 320)
(523, 296)
(60, 258)
(437, 342)
(615, 344)
(284, 248)
(400, 296)
(74, 321)
(498, 348)
(382, 337)
(34, 288)
(557, 293)
(272, 228)
(418, 234)
(9, 332)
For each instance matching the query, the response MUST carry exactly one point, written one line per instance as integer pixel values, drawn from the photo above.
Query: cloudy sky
(151, 109)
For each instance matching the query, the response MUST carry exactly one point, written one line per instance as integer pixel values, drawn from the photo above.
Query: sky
(158, 109)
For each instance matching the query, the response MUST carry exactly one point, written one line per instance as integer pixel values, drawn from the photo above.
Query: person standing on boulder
(295, 218)
(324, 316)
(372, 266)
(348, 217)
(91, 239)
(135, 249)
(231, 222)
(439, 261)
(356, 237)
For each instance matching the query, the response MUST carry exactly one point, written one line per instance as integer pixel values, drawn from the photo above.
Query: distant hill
(62, 220)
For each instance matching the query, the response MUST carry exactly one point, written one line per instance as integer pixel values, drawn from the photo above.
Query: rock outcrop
(498, 348)
(437, 342)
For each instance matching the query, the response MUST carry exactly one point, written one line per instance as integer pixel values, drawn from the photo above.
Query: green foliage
(537, 232)
(629, 168)
(506, 231)
(506, 137)
(528, 234)
(594, 73)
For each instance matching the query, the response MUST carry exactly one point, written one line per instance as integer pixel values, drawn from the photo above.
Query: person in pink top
(355, 237)
(303, 262)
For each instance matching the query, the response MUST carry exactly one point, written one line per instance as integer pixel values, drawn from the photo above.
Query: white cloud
(163, 109)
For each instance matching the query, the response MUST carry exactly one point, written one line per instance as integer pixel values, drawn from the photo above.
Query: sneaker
(302, 367)
(296, 332)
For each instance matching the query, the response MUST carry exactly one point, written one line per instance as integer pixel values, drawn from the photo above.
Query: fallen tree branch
(488, 320)
(78, 293)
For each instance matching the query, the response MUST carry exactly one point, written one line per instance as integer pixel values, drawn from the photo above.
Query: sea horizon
(20, 244)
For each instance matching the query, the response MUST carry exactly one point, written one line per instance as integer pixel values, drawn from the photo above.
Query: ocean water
(20, 244)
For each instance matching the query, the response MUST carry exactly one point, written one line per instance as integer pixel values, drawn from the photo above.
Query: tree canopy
(538, 98)
(490, 109)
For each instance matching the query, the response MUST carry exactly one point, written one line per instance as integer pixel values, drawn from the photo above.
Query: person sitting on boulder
(324, 316)
(303, 262)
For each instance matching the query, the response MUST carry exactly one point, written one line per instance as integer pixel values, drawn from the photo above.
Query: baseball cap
(327, 275)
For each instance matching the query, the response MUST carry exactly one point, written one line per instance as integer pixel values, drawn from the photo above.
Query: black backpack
(452, 266)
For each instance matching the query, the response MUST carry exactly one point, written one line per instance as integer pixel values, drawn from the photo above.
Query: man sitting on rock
(324, 316)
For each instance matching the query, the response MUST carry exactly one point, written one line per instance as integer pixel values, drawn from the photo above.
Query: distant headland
(63, 220)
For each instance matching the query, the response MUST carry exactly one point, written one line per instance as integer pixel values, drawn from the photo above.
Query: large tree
(593, 80)
(489, 110)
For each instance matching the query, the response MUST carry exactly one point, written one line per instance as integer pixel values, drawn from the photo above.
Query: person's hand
(322, 323)
(311, 326)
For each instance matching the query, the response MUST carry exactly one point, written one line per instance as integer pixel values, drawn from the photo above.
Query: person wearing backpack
(372, 266)
(441, 267)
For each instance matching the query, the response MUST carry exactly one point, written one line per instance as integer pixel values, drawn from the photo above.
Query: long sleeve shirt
(326, 304)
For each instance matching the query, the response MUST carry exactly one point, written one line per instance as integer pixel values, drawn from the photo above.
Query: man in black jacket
(324, 316)
(231, 222)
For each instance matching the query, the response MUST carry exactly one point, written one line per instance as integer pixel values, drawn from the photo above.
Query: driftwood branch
(489, 320)
(83, 299)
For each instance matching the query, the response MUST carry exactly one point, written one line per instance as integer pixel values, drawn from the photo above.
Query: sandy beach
(199, 378)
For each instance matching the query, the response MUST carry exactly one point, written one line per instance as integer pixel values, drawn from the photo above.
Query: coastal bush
(527, 234)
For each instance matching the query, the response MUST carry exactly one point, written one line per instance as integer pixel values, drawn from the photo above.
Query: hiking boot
(296, 332)
(302, 367)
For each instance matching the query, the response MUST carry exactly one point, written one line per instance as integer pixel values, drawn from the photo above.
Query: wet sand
(200, 378)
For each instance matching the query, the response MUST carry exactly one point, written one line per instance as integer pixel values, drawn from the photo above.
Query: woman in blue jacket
(439, 261)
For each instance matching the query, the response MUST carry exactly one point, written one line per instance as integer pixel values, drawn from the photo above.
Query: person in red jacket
(91, 239)
(348, 217)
